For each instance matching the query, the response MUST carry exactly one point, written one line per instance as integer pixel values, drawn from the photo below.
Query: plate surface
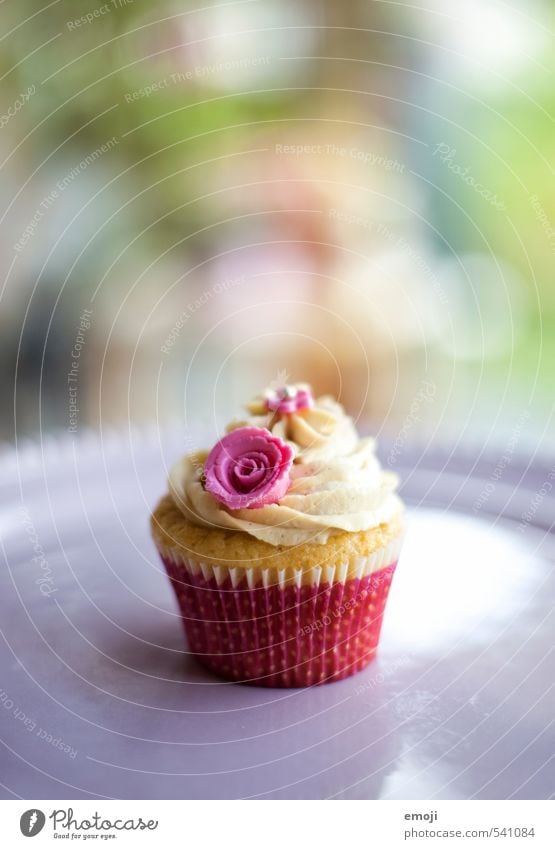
(99, 698)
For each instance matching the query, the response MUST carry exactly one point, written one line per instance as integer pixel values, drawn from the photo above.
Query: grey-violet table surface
(100, 699)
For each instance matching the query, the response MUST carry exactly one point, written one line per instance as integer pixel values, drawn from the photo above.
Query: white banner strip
(279, 824)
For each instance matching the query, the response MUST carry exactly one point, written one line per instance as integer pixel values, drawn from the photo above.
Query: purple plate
(100, 699)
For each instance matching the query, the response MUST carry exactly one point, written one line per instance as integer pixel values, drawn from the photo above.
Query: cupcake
(281, 543)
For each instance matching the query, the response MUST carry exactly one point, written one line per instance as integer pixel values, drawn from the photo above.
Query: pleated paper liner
(283, 628)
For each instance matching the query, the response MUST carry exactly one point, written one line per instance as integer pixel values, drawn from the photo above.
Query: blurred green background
(198, 200)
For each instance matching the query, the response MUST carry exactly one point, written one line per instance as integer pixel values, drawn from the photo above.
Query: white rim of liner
(336, 574)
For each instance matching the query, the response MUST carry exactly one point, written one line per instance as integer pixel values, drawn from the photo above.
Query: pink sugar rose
(289, 399)
(248, 468)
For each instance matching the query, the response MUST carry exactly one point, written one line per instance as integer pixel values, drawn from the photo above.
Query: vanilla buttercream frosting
(336, 481)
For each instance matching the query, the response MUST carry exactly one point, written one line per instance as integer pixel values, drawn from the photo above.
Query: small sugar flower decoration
(288, 399)
(248, 468)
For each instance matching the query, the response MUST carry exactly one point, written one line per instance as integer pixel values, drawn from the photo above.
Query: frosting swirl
(337, 483)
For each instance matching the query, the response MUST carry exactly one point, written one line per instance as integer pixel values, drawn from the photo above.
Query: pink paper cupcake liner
(290, 629)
